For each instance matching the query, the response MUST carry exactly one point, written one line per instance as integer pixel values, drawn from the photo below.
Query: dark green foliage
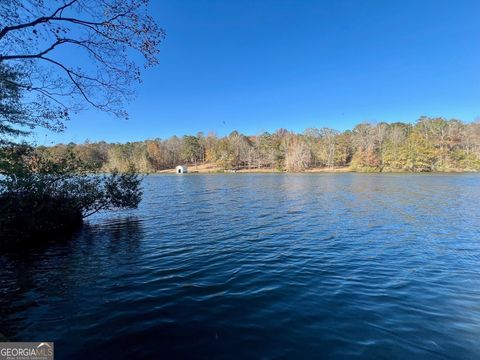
(42, 195)
(11, 112)
(18, 117)
(191, 149)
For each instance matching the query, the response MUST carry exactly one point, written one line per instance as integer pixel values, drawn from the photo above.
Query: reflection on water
(235, 266)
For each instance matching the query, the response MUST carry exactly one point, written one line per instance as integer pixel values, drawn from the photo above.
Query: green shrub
(42, 196)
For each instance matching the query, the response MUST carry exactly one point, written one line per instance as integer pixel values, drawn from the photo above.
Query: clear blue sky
(260, 65)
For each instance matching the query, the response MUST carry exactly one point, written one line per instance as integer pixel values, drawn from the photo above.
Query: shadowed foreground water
(262, 266)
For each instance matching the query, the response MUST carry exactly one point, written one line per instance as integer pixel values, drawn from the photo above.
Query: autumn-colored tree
(428, 145)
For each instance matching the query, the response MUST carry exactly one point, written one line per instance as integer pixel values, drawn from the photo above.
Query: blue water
(324, 266)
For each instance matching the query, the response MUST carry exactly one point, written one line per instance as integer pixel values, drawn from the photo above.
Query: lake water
(266, 266)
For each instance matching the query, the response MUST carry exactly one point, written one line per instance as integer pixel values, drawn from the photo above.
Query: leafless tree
(328, 139)
(298, 156)
(71, 54)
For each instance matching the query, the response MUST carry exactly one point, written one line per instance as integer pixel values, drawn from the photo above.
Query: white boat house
(181, 169)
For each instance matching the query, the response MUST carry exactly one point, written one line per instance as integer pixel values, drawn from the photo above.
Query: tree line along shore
(429, 144)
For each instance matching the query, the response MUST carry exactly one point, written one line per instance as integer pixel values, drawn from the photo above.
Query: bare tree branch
(102, 32)
(35, 22)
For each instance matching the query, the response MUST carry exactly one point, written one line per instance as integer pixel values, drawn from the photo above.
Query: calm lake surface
(266, 266)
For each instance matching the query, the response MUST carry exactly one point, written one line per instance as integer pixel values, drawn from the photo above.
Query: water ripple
(262, 266)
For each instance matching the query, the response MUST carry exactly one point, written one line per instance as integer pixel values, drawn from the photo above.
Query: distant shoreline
(213, 169)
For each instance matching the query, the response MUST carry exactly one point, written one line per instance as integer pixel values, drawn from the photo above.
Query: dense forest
(430, 144)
